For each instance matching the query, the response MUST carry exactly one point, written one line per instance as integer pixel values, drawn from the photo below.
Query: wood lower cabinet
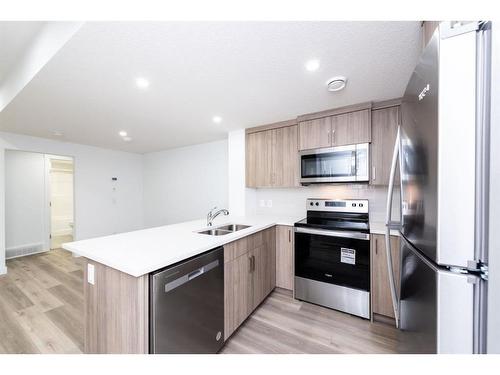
(380, 288)
(272, 158)
(384, 130)
(238, 298)
(116, 311)
(249, 276)
(284, 257)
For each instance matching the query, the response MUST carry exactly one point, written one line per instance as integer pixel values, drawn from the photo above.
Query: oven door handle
(334, 233)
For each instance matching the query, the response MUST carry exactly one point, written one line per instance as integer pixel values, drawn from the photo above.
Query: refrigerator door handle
(390, 224)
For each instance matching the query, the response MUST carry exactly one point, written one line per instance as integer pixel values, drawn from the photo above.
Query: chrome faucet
(212, 215)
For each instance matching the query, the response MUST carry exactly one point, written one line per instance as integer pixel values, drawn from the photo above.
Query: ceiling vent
(336, 83)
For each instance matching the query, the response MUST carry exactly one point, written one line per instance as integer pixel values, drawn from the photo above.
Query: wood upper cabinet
(272, 158)
(315, 133)
(259, 159)
(351, 128)
(380, 288)
(285, 158)
(249, 276)
(284, 257)
(384, 130)
(338, 130)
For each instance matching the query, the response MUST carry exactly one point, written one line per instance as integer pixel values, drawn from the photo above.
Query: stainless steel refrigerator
(442, 154)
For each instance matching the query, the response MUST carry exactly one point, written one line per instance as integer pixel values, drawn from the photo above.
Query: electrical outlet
(269, 203)
(90, 273)
(262, 203)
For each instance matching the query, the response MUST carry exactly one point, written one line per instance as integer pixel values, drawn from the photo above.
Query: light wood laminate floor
(41, 311)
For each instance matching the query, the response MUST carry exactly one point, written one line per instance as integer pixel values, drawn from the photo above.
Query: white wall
(185, 183)
(25, 211)
(241, 199)
(98, 209)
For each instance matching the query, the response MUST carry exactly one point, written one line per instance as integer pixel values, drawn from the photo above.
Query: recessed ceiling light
(127, 139)
(312, 65)
(142, 83)
(217, 119)
(336, 83)
(123, 133)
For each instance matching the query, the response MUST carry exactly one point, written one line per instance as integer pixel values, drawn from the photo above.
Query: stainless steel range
(332, 255)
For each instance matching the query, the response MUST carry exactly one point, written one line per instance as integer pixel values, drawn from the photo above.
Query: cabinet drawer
(235, 249)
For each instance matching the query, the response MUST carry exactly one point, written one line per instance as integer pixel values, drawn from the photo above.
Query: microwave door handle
(389, 225)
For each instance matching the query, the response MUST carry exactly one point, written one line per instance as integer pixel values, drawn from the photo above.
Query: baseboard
(27, 249)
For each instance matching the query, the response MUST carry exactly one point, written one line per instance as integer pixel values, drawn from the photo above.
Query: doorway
(39, 202)
(60, 200)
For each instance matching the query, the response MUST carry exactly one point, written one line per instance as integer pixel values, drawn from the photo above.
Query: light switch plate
(90, 273)
(269, 203)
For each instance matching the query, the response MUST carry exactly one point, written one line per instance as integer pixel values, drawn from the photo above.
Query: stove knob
(317, 204)
(354, 204)
(361, 205)
(312, 204)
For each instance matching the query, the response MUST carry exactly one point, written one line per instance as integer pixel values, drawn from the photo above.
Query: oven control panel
(337, 205)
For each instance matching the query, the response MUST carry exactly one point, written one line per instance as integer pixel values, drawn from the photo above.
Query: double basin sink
(224, 229)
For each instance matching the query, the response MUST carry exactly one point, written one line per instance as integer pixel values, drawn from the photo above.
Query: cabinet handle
(332, 137)
(289, 235)
(373, 173)
(253, 262)
(376, 245)
(250, 264)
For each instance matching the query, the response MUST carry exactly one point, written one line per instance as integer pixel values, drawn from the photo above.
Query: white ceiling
(249, 73)
(15, 38)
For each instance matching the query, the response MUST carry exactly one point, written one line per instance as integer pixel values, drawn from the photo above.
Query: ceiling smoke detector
(336, 83)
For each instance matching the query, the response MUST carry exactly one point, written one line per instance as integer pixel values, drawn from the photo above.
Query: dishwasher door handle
(171, 285)
(195, 274)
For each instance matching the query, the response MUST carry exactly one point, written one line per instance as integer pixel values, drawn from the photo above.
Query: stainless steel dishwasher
(187, 305)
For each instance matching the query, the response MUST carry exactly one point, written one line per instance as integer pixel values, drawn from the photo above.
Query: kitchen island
(117, 268)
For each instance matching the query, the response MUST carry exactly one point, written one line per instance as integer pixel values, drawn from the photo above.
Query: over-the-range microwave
(335, 164)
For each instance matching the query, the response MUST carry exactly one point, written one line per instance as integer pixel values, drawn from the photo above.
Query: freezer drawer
(439, 309)
(187, 306)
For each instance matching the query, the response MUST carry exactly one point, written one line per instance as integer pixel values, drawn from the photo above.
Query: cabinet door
(269, 261)
(285, 160)
(315, 133)
(238, 297)
(264, 267)
(259, 159)
(381, 292)
(384, 130)
(284, 257)
(258, 270)
(351, 128)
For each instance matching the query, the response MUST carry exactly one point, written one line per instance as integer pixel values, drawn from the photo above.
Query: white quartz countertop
(143, 251)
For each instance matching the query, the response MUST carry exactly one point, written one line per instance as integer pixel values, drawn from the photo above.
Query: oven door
(332, 269)
(335, 164)
(335, 257)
